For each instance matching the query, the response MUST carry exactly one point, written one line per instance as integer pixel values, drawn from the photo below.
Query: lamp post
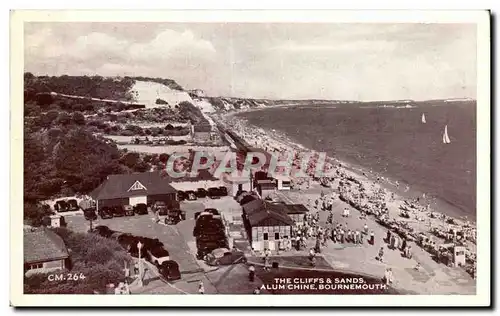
(139, 247)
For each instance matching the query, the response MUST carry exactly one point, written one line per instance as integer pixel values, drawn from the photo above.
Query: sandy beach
(373, 197)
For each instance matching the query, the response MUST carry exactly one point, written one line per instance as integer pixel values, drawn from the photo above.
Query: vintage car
(141, 209)
(191, 196)
(170, 270)
(221, 258)
(73, 205)
(61, 206)
(157, 255)
(105, 212)
(118, 211)
(174, 216)
(201, 193)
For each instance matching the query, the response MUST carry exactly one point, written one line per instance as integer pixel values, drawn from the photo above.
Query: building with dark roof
(267, 224)
(44, 251)
(264, 184)
(135, 188)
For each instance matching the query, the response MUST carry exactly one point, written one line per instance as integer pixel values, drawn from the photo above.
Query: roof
(262, 213)
(42, 245)
(296, 209)
(145, 183)
(202, 128)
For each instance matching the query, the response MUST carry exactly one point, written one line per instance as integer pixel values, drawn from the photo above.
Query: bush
(78, 118)
(44, 99)
(160, 101)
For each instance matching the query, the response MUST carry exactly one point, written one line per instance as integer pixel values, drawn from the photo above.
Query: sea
(391, 141)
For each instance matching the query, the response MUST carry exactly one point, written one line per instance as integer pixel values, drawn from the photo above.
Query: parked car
(141, 209)
(161, 208)
(204, 215)
(191, 195)
(214, 193)
(181, 195)
(205, 246)
(118, 211)
(89, 214)
(157, 255)
(105, 212)
(129, 210)
(170, 270)
(210, 226)
(201, 193)
(174, 216)
(61, 206)
(225, 258)
(73, 205)
(223, 191)
(103, 231)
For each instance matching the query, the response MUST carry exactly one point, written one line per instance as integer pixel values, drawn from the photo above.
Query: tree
(35, 213)
(81, 159)
(44, 99)
(78, 118)
(130, 159)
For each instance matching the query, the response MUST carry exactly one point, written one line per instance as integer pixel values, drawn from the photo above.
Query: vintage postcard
(302, 158)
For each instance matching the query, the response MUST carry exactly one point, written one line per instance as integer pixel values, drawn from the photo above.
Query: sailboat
(446, 138)
(423, 118)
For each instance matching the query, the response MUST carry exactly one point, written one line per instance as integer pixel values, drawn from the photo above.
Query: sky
(260, 60)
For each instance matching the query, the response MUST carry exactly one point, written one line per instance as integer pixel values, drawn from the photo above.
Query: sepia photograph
(340, 156)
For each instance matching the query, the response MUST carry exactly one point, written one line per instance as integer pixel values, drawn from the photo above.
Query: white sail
(423, 119)
(446, 138)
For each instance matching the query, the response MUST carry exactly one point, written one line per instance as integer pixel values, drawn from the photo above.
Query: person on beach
(403, 245)
(387, 276)
(342, 236)
(372, 238)
(201, 288)
(251, 273)
(348, 237)
(381, 254)
(267, 265)
(365, 229)
(357, 237)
